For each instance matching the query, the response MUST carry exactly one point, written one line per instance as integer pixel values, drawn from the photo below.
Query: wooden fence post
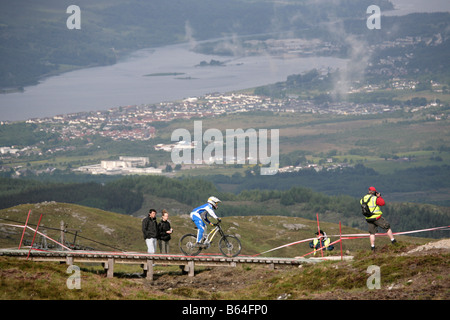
(109, 266)
(190, 266)
(148, 269)
(61, 227)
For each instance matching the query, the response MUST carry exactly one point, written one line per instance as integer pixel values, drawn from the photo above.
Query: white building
(126, 165)
(136, 161)
(4, 150)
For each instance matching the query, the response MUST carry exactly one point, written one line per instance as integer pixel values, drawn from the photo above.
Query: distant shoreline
(163, 74)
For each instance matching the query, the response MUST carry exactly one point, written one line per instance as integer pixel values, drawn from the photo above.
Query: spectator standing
(165, 231)
(150, 231)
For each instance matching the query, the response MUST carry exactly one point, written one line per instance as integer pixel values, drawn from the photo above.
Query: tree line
(103, 196)
(342, 181)
(126, 195)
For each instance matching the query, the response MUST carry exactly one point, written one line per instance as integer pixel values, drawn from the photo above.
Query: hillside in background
(136, 195)
(36, 41)
(103, 230)
(414, 269)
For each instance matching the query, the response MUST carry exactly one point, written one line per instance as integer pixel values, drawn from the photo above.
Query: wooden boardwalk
(148, 261)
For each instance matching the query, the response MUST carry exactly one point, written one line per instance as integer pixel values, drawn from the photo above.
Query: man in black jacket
(150, 231)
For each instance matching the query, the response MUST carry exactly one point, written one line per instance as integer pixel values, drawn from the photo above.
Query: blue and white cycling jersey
(202, 212)
(199, 215)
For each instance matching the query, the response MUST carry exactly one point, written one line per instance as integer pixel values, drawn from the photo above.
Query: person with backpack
(370, 205)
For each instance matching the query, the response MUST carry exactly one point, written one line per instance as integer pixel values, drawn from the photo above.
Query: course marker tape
(38, 232)
(352, 236)
(342, 237)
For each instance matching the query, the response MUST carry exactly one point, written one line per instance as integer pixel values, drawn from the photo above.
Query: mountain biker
(200, 215)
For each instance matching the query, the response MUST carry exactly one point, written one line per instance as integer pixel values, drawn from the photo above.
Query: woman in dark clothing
(165, 231)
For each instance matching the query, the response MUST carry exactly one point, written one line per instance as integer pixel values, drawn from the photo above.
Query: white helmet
(213, 201)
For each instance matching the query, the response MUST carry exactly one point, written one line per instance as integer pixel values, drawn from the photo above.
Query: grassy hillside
(103, 230)
(109, 230)
(408, 271)
(404, 276)
(179, 196)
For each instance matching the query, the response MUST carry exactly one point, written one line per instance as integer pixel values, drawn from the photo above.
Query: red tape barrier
(35, 231)
(351, 236)
(342, 237)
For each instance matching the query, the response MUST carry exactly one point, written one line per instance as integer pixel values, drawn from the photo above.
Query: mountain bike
(230, 246)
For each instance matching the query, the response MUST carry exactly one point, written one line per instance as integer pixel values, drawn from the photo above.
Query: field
(414, 269)
(368, 139)
(385, 142)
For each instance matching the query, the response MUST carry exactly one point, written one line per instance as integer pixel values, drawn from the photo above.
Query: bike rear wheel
(187, 245)
(230, 246)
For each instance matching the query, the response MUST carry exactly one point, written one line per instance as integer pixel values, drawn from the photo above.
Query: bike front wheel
(230, 246)
(188, 246)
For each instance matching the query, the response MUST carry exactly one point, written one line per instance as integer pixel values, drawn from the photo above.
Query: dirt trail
(441, 244)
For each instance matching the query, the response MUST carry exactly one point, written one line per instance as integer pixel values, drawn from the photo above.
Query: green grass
(112, 231)
(414, 276)
(344, 280)
(357, 138)
(28, 280)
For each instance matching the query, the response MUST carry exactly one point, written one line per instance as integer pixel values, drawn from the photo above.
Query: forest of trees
(91, 194)
(22, 134)
(126, 195)
(346, 181)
